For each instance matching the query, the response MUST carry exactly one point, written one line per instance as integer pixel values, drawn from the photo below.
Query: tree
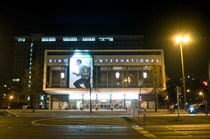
(158, 85)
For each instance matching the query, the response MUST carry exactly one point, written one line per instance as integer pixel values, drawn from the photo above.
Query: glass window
(52, 39)
(105, 38)
(128, 76)
(119, 76)
(148, 76)
(72, 39)
(57, 76)
(48, 39)
(88, 39)
(132, 79)
(21, 39)
(44, 39)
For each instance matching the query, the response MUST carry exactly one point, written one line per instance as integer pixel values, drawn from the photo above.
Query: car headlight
(191, 109)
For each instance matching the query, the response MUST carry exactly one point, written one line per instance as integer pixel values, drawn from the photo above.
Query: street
(94, 125)
(22, 127)
(177, 131)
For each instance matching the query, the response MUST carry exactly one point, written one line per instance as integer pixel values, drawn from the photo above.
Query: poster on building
(80, 71)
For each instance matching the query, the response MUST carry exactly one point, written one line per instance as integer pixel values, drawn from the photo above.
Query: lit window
(21, 39)
(41, 97)
(88, 39)
(145, 75)
(105, 39)
(45, 39)
(69, 39)
(62, 75)
(52, 39)
(48, 39)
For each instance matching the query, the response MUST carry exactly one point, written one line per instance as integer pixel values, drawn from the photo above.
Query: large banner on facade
(80, 71)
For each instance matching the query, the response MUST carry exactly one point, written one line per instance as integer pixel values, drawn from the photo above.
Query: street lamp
(11, 98)
(180, 40)
(200, 93)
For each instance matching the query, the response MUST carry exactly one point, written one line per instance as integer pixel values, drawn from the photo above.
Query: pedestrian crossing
(175, 131)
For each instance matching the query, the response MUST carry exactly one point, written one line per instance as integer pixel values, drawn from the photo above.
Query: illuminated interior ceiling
(58, 91)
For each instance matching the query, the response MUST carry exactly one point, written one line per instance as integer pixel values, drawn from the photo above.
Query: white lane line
(144, 132)
(178, 131)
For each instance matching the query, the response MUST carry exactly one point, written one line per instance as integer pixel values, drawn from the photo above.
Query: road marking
(178, 131)
(35, 122)
(144, 132)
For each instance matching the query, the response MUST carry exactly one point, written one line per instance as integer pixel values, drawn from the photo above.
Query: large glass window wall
(128, 77)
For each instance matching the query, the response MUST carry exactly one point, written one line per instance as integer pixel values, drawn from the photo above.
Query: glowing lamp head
(62, 75)
(178, 39)
(200, 93)
(186, 39)
(117, 75)
(11, 97)
(144, 75)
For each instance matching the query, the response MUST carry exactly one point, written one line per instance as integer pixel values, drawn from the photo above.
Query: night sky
(158, 22)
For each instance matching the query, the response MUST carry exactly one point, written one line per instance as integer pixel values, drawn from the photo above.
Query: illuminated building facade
(116, 68)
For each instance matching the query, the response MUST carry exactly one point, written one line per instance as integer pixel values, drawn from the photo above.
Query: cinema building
(111, 72)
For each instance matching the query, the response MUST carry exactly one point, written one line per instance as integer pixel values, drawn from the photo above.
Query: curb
(11, 114)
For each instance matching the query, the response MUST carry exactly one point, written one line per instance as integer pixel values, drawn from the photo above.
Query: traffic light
(140, 100)
(205, 83)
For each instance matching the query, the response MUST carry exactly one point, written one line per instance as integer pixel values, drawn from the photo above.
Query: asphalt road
(49, 125)
(178, 131)
(22, 127)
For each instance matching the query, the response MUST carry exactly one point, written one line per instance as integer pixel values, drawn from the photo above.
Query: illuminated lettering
(132, 60)
(59, 60)
(65, 60)
(141, 60)
(100, 60)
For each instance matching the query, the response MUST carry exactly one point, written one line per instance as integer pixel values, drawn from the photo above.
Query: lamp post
(180, 40)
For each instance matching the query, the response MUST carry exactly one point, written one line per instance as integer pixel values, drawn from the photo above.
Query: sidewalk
(95, 112)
